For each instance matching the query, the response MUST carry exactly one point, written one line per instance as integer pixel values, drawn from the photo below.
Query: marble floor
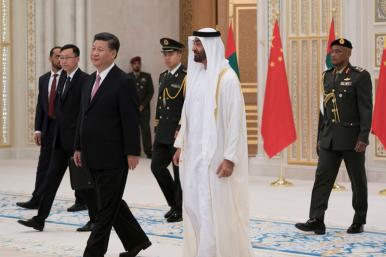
(273, 212)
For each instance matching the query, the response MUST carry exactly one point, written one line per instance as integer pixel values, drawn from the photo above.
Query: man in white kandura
(212, 154)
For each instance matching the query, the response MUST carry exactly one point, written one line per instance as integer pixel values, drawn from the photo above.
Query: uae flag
(329, 65)
(379, 118)
(230, 51)
(277, 127)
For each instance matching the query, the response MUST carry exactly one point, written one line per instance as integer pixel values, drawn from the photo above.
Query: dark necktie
(51, 103)
(66, 85)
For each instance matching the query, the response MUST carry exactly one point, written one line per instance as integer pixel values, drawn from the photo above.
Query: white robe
(216, 213)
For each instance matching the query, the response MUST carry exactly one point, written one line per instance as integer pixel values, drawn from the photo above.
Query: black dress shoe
(169, 213)
(175, 217)
(28, 205)
(314, 225)
(32, 223)
(77, 207)
(133, 252)
(355, 228)
(89, 226)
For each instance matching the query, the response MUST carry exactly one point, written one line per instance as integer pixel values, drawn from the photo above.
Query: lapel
(67, 88)
(103, 86)
(45, 91)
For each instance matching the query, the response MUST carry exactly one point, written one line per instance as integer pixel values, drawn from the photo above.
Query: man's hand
(360, 147)
(38, 138)
(225, 169)
(132, 161)
(176, 157)
(78, 158)
(141, 108)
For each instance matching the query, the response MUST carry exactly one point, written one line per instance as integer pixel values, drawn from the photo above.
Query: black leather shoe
(355, 228)
(169, 213)
(32, 223)
(32, 205)
(133, 252)
(77, 207)
(175, 217)
(89, 226)
(314, 225)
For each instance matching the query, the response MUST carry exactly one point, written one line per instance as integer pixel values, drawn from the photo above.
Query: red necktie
(51, 103)
(96, 86)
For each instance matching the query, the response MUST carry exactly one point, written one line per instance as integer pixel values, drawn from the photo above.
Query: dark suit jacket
(353, 94)
(41, 115)
(67, 111)
(145, 88)
(108, 127)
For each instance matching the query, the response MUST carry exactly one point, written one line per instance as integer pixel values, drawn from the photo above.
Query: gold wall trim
(308, 23)
(31, 69)
(5, 71)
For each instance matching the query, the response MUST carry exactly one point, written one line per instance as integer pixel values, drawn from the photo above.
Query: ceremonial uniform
(169, 106)
(346, 119)
(145, 90)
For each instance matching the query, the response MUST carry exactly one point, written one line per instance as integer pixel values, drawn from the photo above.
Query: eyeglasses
(66, 58)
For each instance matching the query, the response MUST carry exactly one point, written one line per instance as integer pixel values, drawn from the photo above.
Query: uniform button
(160, 97)
(168, 108)
(333, 121)
(350, 124)
(167, 118)
(345, 90)
(340, 95)
(160, 117)
(333, 90)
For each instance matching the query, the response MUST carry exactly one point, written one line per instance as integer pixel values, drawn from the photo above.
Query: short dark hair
(74, 48)
(53, 49)
(112, 40)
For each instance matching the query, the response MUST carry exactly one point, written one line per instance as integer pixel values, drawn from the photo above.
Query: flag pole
(383, 192)
(281, 181)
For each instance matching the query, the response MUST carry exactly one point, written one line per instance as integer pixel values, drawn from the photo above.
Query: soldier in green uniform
(169, 106)
(145, 91)
(343, 135)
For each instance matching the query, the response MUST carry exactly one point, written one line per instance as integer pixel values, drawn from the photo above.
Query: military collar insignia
(347, 79)
(176, 75)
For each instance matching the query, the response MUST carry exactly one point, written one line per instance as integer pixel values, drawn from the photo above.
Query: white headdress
(216, 62)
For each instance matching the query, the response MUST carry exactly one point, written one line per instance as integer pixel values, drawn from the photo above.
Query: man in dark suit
(45, 123)
(171, 96)
(145, 90)
(67, 111)
(108, 144)
(343, 135)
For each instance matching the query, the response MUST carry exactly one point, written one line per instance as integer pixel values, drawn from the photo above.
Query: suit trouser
(44, 160)
(171, 188)
(112, 212)
(145, 130)
(326, 172)
(54, 177)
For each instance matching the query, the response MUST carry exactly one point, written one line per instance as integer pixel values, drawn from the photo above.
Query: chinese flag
(379, 118)
(277, 128)
(230, 51)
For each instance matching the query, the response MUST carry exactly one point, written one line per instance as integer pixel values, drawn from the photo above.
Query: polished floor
(273, 212)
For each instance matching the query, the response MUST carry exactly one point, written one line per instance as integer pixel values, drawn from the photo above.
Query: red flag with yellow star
(379, 118)
(277, 128)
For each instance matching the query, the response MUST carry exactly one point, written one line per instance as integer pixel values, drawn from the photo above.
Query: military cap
(135, 59)
(341, 42)
(170, 45)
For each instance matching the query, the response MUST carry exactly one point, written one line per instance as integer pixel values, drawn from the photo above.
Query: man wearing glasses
(66, 114)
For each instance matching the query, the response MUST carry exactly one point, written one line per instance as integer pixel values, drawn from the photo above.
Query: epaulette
(330, 69)
(358, 69)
